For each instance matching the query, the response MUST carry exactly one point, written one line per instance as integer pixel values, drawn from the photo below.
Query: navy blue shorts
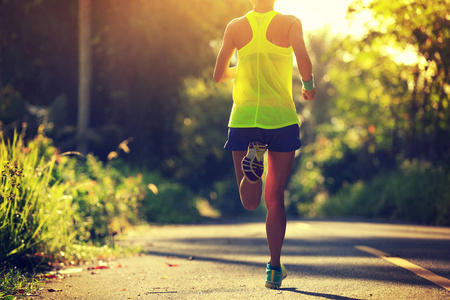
(283, 139)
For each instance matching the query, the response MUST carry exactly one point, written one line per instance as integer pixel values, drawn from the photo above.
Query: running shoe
(252, 165)
(274, 277)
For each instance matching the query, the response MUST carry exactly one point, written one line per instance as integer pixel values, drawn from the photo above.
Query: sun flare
(317, 14)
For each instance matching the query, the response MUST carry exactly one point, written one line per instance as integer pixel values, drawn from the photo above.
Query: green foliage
(202, 130)
(84, 252)
(172, 203)
(33, 205)
(389, 102)
(418, 192)
(381, 99)
(12, 106)
(104, 201)
(205, 167)
(226, 197)
(412, 92)
(14, 283)
(51, 201)
(142, 53)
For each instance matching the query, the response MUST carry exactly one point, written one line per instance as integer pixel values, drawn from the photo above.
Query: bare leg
(279, 168)
(250, 192)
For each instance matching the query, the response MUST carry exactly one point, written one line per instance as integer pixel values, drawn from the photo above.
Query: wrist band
(308, 85)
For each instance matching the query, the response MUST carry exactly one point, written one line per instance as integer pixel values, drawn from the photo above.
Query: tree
(423, 28)
(85, 73)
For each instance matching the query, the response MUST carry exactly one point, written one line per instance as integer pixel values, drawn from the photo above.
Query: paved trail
(324, 260)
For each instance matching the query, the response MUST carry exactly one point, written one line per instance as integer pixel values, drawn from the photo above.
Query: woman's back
(262, 90)
(277, 32)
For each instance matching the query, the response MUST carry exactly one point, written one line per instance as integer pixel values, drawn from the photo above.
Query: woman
(263, 115)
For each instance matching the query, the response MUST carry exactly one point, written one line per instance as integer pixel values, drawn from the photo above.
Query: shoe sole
(254, 166)
(249, 174)
(272, 285)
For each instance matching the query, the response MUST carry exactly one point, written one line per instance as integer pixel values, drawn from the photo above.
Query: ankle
(275, 264)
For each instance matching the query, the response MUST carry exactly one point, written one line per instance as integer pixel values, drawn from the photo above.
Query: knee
(274, 195)
(276, 207)
(274, 201)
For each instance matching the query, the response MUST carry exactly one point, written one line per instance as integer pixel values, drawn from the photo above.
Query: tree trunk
(426, 97)
(395, 146)
(411, 150)
(85, 73)
(435, 129)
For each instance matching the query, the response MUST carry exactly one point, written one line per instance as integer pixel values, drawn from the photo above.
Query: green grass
(14, 284)
(33, 205)
(58, 209)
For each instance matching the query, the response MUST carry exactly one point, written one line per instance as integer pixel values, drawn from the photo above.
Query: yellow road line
(403, 263)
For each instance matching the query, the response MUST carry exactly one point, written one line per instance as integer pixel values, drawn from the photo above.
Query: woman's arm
(222, 71)
(303, 61)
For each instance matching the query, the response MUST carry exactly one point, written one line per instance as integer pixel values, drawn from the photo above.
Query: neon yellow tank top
(262, 92)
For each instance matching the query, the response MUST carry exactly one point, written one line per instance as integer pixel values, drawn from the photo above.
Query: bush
(50, 201)
(417, 192)
(169, 203)
(104, 201)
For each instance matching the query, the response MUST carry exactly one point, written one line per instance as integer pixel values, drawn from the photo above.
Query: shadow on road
(322, 295)
(332, 258)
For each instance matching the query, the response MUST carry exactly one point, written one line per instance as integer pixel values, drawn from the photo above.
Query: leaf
(172, 265)
(97, 268)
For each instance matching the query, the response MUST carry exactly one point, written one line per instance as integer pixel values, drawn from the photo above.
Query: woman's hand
(309, 95)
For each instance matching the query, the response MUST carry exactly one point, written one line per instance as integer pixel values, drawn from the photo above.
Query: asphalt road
(324, 260)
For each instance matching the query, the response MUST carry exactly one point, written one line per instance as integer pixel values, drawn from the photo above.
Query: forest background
(376, 140)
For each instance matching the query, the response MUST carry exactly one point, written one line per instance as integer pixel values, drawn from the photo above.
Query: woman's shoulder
(283, 23)
(238, 25)
(238, 21)
(288, 19)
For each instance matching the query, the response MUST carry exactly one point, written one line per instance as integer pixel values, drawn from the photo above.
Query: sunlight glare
(406, 56)
(320, 13)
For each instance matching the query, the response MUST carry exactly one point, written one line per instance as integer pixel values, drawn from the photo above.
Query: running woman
(264, 115)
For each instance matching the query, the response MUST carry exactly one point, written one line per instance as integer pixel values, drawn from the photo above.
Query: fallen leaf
(119, 266)
(98, 268)
(124, 289)
(54, 290)
(21, 292)
(172, 265)
(101, 267)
